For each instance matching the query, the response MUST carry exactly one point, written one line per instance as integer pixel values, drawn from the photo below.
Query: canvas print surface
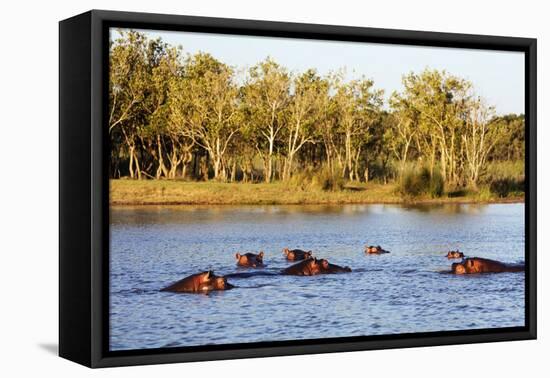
(274, 189)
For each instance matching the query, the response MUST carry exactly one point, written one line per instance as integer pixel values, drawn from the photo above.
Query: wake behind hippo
(476, 265)
(199, 283)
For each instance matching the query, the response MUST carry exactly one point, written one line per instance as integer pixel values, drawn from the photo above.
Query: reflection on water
(396, 293)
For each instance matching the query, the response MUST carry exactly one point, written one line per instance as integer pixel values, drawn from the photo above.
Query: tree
(401, 130)
(439, 100)
(266, 97)
(479, 138)
(510, 146)
(211, 97)
(165, 68)
(178, 127)
(127, 90)
(304, 111)
(358, 106)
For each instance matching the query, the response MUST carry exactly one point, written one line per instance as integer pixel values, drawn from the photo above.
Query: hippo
(455, 254)
(297, 254)
(328, 268)
(307, 267)
(375, 250)
(199, 283)
(479, 265)
(250, 259)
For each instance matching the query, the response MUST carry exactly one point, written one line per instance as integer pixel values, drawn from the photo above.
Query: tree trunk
(161, 169)
(131, 163)
(269, 167)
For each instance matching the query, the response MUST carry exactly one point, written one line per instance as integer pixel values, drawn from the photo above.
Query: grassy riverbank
(164, 192)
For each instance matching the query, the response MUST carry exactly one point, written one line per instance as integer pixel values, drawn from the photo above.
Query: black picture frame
(84, 192)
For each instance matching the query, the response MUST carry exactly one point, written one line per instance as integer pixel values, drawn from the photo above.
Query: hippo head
(215, 283)
(260, 257)
(220, 283)
(315, 265)
(242, 259)
(458, 268)
(250, 259)
(455, 254)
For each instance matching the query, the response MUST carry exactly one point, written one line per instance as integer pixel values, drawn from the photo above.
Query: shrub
(484, 193)
(505, 178)
(437, 185)
(300, 180)
(316, 179)
(411, 184)
(497, 170)
(418, 181)
(325, 180)
(506, 186)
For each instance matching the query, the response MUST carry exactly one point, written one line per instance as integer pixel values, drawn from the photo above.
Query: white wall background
(29, 186)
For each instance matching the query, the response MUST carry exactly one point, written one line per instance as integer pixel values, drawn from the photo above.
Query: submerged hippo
(478, 265)
(328, 268)
(199, 283)
(308, 267)
(455, 254)
(252, 260)
(297, 254)
(375, 250)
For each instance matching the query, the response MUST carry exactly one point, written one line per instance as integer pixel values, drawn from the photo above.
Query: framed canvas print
(235, 188)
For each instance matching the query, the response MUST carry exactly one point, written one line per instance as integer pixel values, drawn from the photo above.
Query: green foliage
(418, 181)
(505, 178)
(497, 170)
(511, 143)
(437, 184)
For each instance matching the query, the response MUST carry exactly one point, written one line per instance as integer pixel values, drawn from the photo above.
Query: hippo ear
(209, 274)
(237, 256)
(325, 263)
(261, 254)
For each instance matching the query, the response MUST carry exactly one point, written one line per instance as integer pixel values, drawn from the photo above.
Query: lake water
(400, 292)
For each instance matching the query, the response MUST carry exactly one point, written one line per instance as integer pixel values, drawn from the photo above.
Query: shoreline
(149, 193)
(405, 203)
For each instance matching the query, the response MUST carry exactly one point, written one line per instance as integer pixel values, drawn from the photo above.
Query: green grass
(167, 192)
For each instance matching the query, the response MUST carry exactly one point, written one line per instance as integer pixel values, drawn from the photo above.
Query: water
(401, 292)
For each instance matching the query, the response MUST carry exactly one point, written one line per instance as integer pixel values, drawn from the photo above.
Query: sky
(498, 76)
